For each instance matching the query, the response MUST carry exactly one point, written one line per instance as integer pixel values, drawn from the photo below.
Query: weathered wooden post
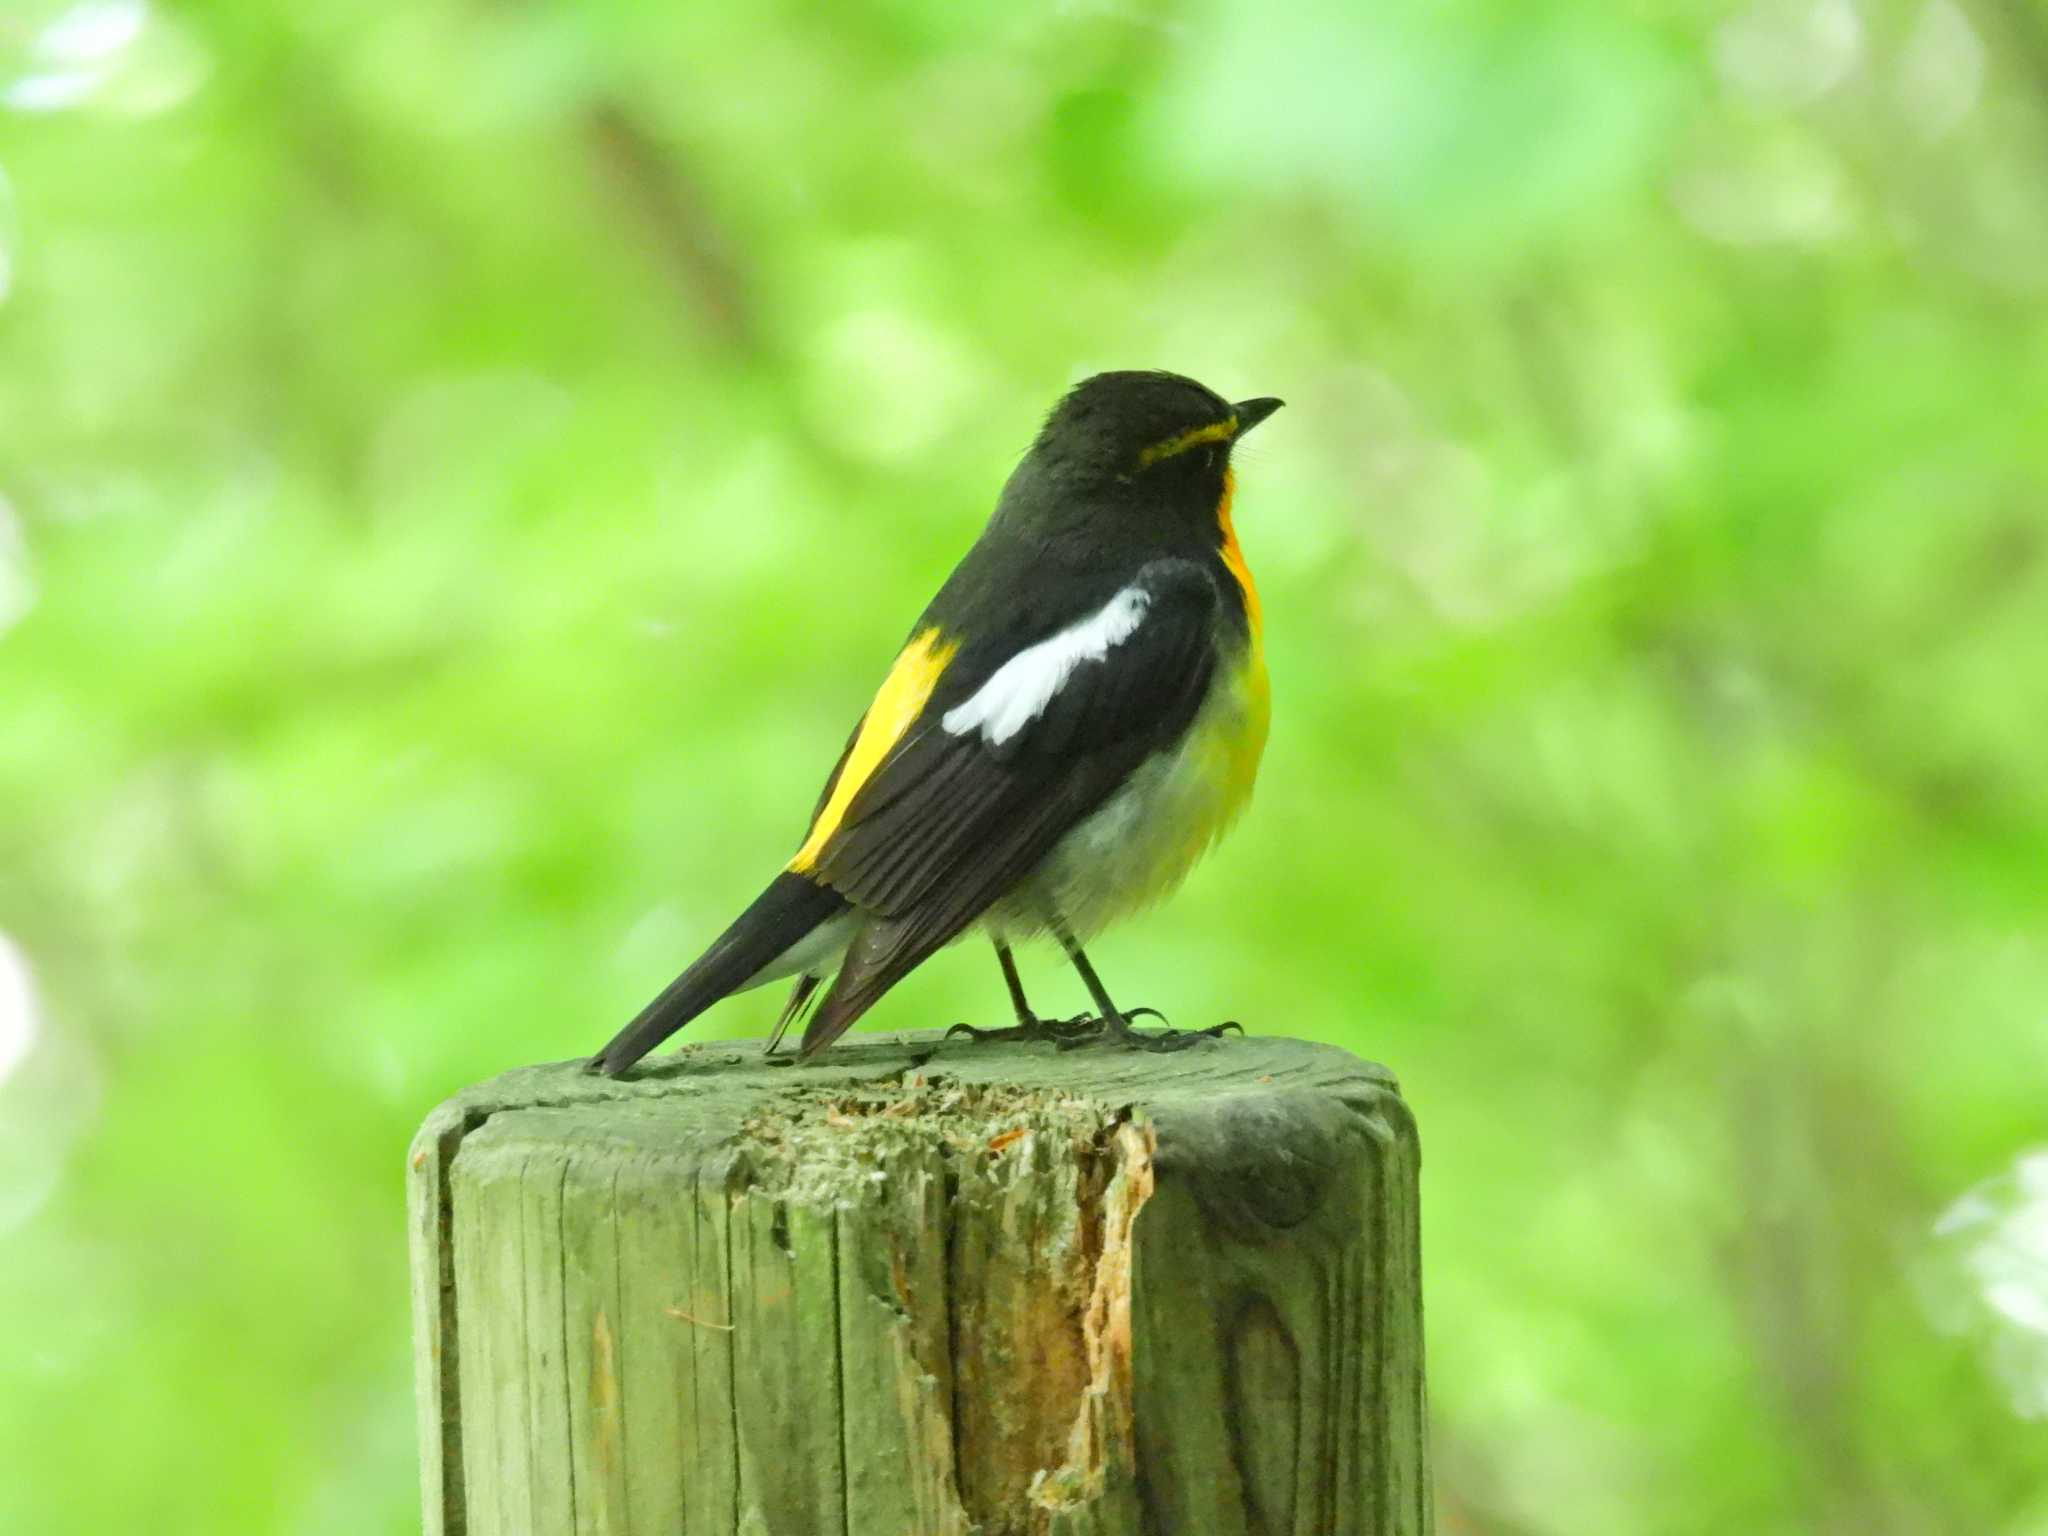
(924, 1290)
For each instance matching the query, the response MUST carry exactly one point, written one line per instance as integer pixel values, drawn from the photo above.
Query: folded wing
(1013, 747)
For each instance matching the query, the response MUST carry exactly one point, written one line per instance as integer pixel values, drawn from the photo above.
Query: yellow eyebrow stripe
(899, 701)
(1181, 442)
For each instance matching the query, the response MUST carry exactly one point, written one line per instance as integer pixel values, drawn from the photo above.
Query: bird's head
(1149, 450)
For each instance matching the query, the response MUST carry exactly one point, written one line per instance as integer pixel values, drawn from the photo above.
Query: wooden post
(924, 1290)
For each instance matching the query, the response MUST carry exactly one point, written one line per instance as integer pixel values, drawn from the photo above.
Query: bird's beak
(1251, 412)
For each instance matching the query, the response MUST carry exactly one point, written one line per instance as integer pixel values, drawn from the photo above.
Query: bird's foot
(1116, 1030)
(1030, 1028)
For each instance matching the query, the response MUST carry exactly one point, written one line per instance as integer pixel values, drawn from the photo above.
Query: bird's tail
(783, 916)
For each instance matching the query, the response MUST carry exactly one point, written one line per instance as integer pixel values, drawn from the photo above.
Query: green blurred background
(465, 463)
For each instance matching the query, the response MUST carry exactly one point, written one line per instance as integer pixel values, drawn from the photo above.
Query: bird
(1072, 722)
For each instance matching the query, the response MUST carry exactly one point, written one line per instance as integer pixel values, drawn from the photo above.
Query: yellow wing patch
(899, 702)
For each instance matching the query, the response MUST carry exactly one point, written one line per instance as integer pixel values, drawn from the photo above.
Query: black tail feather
(799, 1003)
(790, 908)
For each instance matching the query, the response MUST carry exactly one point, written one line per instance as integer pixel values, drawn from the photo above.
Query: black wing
(951, 820)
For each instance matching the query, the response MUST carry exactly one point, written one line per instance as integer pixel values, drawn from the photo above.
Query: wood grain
(964, 1290)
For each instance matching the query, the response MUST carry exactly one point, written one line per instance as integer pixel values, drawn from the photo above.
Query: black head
(1131, 451)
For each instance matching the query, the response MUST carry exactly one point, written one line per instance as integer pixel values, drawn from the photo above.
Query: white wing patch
(1019, 690)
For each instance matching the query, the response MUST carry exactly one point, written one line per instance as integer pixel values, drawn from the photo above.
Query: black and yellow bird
(1075, 719)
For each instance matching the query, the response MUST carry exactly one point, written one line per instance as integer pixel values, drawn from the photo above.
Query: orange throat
(1233, 558)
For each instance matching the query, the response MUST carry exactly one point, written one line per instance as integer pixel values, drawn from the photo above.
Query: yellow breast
(1242, 749)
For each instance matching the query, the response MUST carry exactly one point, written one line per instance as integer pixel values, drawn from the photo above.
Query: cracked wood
(964, 1290)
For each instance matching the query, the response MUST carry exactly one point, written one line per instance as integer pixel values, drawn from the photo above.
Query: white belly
(1141, 843)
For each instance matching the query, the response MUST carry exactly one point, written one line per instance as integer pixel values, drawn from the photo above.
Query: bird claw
(1118, 1031)
(1179, 1039)
(1062, 1032)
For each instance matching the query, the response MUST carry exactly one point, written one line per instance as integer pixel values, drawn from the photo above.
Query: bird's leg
(1029, 1026)
(1116, 1024)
